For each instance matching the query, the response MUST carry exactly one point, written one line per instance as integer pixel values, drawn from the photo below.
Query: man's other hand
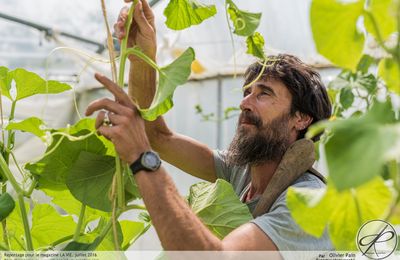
(142, 32)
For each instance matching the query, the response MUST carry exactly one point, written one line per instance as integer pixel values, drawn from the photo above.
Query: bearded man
(277, 110)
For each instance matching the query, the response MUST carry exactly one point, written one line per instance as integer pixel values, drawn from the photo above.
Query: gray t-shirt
(278, 223)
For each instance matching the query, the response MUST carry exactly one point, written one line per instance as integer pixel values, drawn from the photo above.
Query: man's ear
(302, 121)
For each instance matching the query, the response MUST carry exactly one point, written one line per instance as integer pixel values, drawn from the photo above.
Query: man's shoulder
(308, 180)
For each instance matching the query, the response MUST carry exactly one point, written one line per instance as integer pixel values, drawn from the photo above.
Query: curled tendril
(264, 66)
(91, 59)
(240, 24)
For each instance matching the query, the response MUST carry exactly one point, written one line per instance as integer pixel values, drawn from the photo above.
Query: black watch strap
(137, 166)
(147, 161)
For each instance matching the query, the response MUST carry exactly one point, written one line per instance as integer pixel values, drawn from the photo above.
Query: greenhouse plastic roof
(284, 24)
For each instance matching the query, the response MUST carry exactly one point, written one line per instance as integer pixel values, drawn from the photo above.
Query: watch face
(151, 160)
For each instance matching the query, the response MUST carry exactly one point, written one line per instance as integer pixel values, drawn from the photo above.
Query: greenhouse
(69, 183)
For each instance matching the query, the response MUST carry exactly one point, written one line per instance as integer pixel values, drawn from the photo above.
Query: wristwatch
(148, 161)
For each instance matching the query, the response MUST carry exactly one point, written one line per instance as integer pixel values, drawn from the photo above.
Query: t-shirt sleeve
(281, 228)
(221, 168)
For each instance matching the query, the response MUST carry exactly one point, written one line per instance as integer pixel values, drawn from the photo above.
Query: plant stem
(28, 193)
(1, 118)
(10, 136)
(124, 46)
(136, 51)
(394, 172)
(62, 240)
(114, 211)
(104, 232)
(123, 55)
(231, 36)
(130, 207)
(4, 222)
(114, 227)
(120, 183)
(16, 163)
(24, 216)
(80, 221)
(6, 171)
(8, 174)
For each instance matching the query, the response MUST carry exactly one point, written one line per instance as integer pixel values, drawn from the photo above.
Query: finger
(116, 119)
(123, 14)
(119, 26)
(148, 12)
(107, 104)
(106, 131)
(119, 29)
(118, 92)
(140, 18)
(99, 119)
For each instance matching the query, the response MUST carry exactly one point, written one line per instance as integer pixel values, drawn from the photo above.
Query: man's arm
(176, 224)
(172, 218)
(181, 151)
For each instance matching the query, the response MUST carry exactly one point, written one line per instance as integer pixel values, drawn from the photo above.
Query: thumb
(140, 19)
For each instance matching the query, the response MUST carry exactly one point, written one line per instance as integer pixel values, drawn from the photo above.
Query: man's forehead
(275, 85)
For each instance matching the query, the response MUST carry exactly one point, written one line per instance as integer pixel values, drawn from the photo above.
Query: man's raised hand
(142, 32)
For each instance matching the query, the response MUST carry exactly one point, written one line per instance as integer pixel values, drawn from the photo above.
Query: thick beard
(268, 144)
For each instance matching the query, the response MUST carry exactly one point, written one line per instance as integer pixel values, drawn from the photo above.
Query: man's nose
(246, 103)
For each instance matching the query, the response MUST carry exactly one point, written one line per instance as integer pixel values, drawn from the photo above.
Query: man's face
(265, 127)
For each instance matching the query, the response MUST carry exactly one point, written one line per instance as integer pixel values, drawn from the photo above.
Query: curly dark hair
(309, 94)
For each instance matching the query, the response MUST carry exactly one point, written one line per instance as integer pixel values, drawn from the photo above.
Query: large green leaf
(127, 231)
(218, 206)
(65, 200)
(49, 226)
(334, 27)
(348, 79)
(314, 210)
(131, 188)
(170, 77)
(389, 70)
(255, 45)
(131, 230)
(360, 146)
(7, 205)
(90, 178)
(28, 84)
(88, 124)
(89, 241)
(5, 82)
(384, 13)
(346, 97)
(15, 229)
(182, 14)
(53, 168)
(245, 23)
(31, 125)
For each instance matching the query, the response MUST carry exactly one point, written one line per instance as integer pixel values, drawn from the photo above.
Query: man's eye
(246, 93)
(264, 93)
